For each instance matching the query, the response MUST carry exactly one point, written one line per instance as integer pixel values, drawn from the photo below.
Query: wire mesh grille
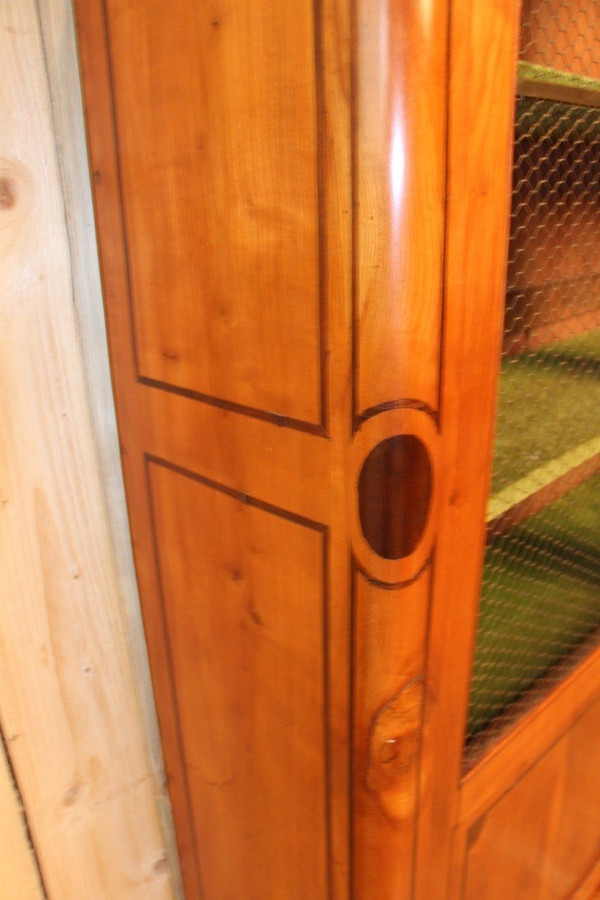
(541, 585)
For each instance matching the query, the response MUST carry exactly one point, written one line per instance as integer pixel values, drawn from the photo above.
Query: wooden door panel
(241, 160)
(244, 593)
(543, 835)
(216, 115)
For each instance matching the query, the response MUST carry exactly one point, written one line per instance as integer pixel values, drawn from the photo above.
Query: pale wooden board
(68, 695)
(19, 878)
(60, 49)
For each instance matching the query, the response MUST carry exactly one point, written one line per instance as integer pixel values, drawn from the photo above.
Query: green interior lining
(534, 72)
(541, 589)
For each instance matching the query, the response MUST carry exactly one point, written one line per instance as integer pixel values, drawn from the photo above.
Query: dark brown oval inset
(394, 492)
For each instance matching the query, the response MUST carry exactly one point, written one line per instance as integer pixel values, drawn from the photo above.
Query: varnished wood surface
(499, 763)
(218, 120)
(589, 888)
(233, 359)
(248, 636)
(400, 128)
(541, 838)
(389, 654)
(483, 44)
(268, 458)
(399, 101)
(293, 320)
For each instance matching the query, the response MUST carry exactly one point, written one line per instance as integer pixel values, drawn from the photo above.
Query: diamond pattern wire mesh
(540, 597)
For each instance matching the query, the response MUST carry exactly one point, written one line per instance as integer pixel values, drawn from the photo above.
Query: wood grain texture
(286, 467)
(399, 103)
(19, 875)
(388, 666)
(219, 177)
(541, 836)
(482, 63)
(589, 888)
(68, 699)
(60, 52)
(250, 671)
(503, 758)
(400, 122)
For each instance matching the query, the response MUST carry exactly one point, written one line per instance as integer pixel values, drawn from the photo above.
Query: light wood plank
(19, 876)
(67, 688)
(60, 51)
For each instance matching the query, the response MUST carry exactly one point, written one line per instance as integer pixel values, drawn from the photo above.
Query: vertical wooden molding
(482, 65)
(399, 157)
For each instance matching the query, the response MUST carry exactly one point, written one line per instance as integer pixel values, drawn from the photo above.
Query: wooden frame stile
(483, 41)
(399, 119)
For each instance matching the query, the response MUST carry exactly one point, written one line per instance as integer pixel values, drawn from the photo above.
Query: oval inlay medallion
(394, 493)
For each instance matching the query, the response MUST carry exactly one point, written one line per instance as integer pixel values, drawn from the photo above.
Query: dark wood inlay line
(396, 404)
(189, 811)
(354, 373)
(274, 417)
(392, 585)
(321, 182)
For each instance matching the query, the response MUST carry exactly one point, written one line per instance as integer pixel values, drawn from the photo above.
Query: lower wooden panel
(244, 600)
(542, 837)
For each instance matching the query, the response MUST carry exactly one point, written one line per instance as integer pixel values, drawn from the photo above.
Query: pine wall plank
(75, 702)
(19, 876)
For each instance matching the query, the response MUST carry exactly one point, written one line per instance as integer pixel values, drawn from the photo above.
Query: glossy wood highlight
(399, 118)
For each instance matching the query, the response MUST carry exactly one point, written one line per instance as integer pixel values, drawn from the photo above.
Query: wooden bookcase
(303, 212)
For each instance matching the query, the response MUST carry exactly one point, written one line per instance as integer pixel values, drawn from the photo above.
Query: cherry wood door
(269, 182)
(302, 209)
